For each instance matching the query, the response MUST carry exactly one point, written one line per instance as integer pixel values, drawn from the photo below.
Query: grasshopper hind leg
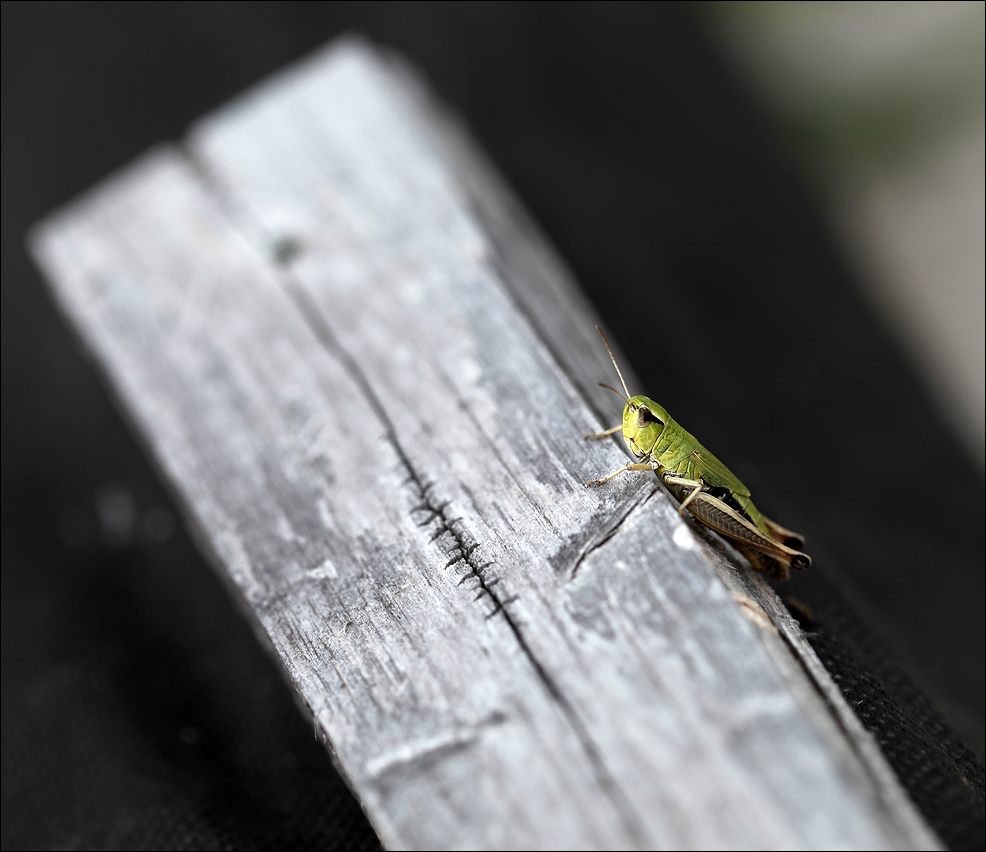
(765, 553)
(772, 564)
(765, 564)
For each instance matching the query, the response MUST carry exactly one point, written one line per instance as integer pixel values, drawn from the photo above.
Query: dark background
(139, 711)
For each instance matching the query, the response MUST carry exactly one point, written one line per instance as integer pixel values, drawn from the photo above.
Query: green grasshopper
(701, 483)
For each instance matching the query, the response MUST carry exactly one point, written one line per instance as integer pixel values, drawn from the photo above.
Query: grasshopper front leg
(629, 466)
(598, 436)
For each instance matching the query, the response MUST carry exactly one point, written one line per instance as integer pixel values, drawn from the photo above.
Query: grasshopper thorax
(643, 422)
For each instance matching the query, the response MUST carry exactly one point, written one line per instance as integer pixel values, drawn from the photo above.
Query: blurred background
(799, 186)
(880, 106)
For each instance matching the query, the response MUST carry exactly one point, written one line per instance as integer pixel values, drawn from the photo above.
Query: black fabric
(138, 710)
(937, 768)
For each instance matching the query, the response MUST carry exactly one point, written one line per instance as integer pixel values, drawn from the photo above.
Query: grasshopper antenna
(614, 390)
(613, 359)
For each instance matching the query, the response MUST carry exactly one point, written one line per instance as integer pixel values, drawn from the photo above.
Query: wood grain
(366, 376)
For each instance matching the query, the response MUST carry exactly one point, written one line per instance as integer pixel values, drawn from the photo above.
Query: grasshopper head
(643, 419)
(643, 422)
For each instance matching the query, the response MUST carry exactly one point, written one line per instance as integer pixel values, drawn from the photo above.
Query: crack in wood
(596, 543)
(313, 317)
(411, 756)
(466, 549)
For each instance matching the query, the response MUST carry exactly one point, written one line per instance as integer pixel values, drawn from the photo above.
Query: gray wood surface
(366, 376)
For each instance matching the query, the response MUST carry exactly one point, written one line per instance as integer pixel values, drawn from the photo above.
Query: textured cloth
(937, 769)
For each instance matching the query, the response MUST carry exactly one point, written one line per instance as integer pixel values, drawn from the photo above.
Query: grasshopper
(701, 483)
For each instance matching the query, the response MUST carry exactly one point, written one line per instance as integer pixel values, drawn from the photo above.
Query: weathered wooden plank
(367, 377)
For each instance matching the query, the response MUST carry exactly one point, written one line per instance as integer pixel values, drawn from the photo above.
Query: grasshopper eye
(645, 417)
